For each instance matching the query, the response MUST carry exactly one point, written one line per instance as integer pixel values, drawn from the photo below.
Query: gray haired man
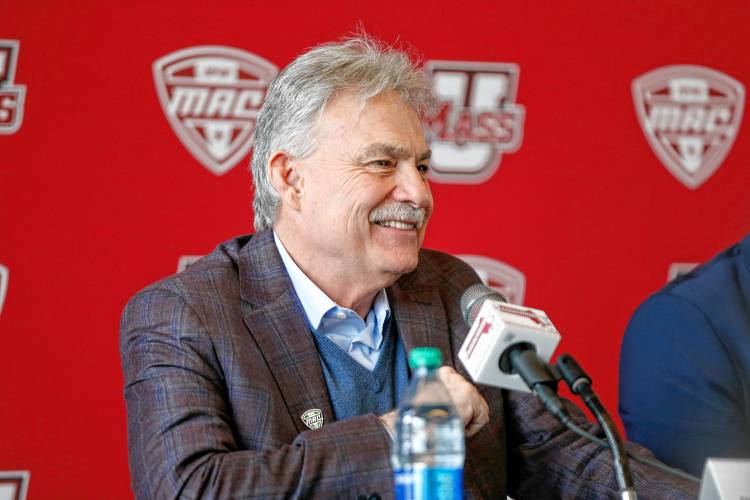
(271, 367)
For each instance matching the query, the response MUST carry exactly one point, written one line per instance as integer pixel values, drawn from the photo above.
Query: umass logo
(12, 94)
(477, 119)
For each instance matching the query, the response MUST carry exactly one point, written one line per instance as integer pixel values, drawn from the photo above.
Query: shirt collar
(314, 300)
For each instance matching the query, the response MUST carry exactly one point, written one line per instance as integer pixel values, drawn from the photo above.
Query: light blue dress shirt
(362, 339)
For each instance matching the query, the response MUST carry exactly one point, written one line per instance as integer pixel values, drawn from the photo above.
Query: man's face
(366, 198)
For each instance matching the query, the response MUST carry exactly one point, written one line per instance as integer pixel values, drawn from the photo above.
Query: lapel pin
(313, 418)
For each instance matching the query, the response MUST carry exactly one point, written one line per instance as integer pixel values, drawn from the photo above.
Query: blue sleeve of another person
(680, 394)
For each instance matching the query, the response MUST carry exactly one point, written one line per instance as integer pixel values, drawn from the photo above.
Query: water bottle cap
(424, 356)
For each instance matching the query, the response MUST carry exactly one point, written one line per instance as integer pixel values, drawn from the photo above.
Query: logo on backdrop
(477, 119)
(4, 275)
(690, 116)
(14, 484)
(11, 94)
(504, 278)
(186, 261)
(677, 269)
(211, 96)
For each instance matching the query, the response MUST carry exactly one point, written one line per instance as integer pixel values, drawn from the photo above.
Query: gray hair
(297, 97)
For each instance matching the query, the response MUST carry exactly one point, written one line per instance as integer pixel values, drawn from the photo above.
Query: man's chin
(403, 266)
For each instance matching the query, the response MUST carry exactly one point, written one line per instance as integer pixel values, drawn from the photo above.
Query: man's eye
(381, 163)
(423, 168)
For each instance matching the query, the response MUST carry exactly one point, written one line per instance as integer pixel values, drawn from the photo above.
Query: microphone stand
(540, 378)
(523, 360)
(580, 385)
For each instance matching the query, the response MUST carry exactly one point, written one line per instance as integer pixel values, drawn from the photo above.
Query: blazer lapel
(421, 319)
(276, 321)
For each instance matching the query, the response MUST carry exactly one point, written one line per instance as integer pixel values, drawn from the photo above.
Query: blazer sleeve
(180, 429)
(680, 394)
(548, 461)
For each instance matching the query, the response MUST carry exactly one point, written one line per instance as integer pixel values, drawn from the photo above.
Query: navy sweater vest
(355, 390)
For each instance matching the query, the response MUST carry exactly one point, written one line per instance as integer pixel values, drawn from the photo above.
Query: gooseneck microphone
(509, 346)
(511, 338)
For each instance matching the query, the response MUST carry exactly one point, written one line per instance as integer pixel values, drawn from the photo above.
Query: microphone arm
(543, 382)
(580, 385)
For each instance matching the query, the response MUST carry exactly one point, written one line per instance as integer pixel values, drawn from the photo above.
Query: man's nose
(412, 185)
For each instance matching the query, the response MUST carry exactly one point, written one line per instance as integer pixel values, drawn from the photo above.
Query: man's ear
(285, 178)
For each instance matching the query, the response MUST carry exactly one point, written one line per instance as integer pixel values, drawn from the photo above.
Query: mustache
(401, 212)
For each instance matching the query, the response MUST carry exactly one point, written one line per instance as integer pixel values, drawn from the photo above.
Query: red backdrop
(98, 197)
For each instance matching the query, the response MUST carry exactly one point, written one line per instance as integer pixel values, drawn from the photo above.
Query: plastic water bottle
(428, 450)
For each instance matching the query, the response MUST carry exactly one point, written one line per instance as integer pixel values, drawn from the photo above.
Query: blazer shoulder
(211, 278)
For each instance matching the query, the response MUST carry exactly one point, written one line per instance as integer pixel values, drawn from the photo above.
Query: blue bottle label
(434, 483)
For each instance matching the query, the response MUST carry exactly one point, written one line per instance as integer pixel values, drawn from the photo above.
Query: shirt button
(340, 314)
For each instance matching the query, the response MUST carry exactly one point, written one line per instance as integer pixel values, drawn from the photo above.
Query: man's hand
(471, 406)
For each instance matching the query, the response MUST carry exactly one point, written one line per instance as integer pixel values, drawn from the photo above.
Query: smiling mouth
(399, 224)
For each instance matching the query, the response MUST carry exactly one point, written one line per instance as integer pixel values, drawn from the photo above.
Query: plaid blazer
(219, 366)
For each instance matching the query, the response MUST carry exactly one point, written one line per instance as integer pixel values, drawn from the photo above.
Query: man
(685, 365)
(271, 367)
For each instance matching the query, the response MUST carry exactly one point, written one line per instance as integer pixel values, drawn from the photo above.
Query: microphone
(508, 346)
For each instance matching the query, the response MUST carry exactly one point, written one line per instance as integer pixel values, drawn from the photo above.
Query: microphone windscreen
(473, 298)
